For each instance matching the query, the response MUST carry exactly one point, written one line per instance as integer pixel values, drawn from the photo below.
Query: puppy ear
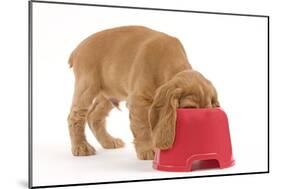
(214, 99)
(162, 115)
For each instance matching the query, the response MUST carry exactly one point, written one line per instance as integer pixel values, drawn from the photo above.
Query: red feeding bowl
(202, 141)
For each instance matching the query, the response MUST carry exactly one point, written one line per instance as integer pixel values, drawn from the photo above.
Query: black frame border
(30, 92)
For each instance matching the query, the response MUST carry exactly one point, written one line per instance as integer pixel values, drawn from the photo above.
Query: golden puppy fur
(147, 69)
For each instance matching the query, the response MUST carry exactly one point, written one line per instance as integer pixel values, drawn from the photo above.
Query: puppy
(147, 69)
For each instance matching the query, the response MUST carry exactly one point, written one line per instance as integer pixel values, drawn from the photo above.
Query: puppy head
(187, 89)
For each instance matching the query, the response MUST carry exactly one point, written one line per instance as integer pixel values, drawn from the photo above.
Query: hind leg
(96, 121)
(82, 99)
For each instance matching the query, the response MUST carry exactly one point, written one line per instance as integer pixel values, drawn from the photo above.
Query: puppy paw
(113, 143)
(84, 149)
(147, 155)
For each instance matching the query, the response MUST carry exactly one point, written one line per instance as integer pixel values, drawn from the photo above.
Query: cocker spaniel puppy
(147, 69)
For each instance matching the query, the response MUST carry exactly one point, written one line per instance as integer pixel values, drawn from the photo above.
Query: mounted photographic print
(124, 94)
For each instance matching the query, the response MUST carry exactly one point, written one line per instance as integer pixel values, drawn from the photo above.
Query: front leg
(140, 128)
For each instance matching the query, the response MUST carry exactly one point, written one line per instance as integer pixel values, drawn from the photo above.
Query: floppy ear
(162, 115)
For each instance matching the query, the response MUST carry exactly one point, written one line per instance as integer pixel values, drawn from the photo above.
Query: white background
(231, 51)
(14, 95)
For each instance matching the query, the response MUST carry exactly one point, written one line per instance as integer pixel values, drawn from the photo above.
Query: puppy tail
(70, 60)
